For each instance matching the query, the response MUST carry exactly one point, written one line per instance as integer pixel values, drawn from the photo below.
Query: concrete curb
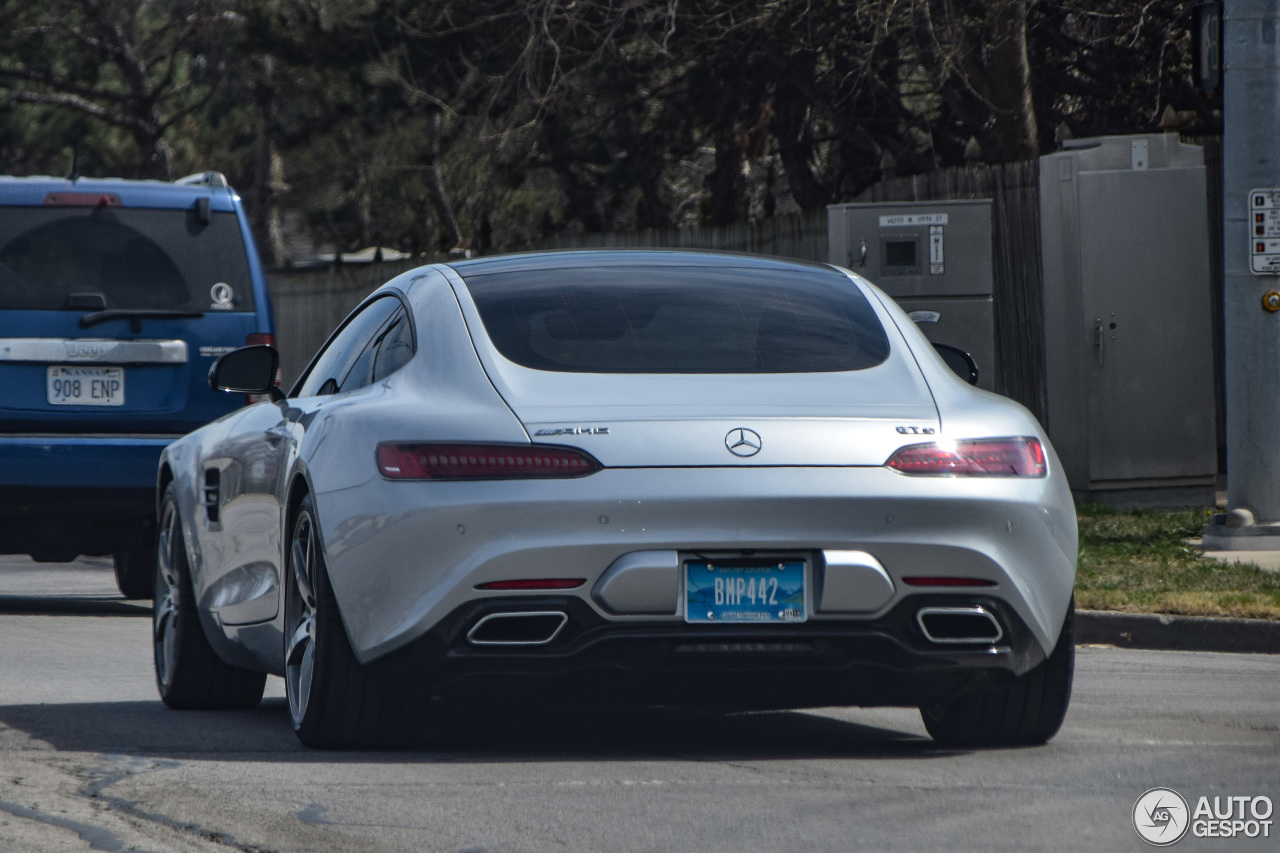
(1177, 633)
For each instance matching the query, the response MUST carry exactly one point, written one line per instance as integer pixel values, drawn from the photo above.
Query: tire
(189, 673)
(334, 701)
(135, 571)
(1027, 711)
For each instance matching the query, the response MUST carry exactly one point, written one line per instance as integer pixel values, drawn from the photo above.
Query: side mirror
(959, 361)
(248, 370)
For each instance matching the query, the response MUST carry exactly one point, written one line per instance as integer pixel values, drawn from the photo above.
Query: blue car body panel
(80, 479)
(88, 462)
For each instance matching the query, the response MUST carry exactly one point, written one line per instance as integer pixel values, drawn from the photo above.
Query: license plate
(764, 591)
(85, 386)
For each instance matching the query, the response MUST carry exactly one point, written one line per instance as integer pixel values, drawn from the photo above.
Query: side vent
(209, 494)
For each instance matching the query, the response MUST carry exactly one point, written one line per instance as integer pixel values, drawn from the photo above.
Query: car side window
(395, 347)
(329, 373)
(365, 370)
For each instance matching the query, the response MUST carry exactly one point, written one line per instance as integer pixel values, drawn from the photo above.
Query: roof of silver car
(625, 257)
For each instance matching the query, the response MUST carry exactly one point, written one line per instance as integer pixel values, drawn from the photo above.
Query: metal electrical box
(1127, 322)
(934, 259)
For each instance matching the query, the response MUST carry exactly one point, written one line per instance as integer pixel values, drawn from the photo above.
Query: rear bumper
(62, 496)
(402, 556)
(885, 661)
(73, 462)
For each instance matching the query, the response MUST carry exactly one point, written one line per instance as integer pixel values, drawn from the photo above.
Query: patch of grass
(1140, 561)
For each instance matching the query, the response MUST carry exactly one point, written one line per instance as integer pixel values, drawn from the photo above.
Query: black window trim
(369, 300)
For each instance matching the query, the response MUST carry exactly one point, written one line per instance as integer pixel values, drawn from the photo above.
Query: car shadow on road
(578, 734)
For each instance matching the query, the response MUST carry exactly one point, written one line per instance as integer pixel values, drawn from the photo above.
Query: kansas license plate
(740, 592)
(71, 385)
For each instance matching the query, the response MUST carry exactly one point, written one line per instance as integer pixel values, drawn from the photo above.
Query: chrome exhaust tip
(535, 628)
(959, 625)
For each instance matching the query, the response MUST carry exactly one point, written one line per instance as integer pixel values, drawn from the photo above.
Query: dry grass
(1140, 562)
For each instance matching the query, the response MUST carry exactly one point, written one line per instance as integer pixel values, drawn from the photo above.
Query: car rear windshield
(132, 258)
(679, 320)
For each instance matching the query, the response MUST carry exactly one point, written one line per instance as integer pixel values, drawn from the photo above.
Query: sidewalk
(1268, 561)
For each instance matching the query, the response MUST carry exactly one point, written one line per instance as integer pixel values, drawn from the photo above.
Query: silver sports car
(618, 477)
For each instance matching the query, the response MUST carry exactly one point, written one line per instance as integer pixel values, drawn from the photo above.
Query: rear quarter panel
(968, 412)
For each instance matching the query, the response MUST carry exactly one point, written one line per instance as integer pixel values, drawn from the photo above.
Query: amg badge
(574, 431)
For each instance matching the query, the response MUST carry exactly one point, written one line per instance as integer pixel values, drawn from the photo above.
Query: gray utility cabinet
(934, 259)
(1127, 323)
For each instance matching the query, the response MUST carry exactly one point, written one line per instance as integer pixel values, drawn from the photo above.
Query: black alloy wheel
(334, 701)
(189, 673)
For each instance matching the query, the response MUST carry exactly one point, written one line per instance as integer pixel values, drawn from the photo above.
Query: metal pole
(1251, 162)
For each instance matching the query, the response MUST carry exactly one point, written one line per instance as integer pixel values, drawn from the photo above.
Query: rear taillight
(985, 457)
(408, 461)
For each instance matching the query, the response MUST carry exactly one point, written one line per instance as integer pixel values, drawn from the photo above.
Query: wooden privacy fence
(800, 235)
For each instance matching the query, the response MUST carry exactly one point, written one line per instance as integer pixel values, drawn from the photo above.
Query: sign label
(1264, 231)
(935, 250)
(913, 219)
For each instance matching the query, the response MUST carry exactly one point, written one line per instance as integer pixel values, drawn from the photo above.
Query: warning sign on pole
(1264, 231)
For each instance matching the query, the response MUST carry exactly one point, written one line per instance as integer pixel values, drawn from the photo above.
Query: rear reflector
(535, 583)
(985, 457)
(406, 461)
(81, 200)
(940, 581)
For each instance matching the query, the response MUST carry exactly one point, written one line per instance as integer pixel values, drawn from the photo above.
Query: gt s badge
(912, 430)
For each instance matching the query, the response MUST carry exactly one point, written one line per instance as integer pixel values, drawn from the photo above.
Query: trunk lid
(855, 418)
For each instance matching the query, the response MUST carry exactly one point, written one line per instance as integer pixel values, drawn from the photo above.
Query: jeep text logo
(84, 351)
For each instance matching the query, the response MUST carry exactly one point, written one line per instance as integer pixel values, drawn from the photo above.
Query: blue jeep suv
(116, 296)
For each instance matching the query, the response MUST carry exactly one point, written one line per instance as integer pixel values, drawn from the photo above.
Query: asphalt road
(90, 759)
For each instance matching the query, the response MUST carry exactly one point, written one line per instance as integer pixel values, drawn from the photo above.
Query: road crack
(119, 767)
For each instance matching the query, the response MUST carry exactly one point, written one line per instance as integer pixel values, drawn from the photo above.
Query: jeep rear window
(679, 320)
(133, 258)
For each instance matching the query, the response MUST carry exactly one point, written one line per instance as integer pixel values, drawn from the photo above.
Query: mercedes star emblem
(743, 442)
